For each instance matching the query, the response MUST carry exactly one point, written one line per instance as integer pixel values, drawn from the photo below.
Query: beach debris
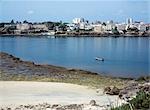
(107, 89)
(92, 103)
(132, 89)
(45, 106)
(112, 91)
(129, 91)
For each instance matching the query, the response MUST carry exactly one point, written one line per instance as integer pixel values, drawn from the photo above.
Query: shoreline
(15, 69)
(67, 35)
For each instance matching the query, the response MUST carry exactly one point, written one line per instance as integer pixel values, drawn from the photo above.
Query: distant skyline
(48, 10)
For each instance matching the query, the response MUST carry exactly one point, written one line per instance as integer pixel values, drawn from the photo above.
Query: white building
(23, 26)
(142, 27)
(98, 28)
(82, 25)
(129, 21)
(109, 27)
(40, 26)
(78, 20)
(7, 25)
(71, 27)
(85, 26)
(121, 27)
(88, 27)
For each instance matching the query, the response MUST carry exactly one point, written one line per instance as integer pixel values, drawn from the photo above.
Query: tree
(104, 23)
(115, 31)
(12, 21)
(60, 22)
(57, 23)
(25, 21)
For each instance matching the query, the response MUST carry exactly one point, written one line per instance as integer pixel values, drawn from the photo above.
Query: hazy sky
(56, 10)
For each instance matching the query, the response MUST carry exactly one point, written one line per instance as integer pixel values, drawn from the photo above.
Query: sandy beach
(21, 92)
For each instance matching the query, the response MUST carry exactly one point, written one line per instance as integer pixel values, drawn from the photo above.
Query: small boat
(52, 37)
(99, 58)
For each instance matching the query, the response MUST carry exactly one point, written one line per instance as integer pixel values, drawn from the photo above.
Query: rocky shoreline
(15, 69)
(13, 65)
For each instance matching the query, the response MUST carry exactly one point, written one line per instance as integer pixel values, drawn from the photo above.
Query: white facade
(40, 26)
(129, 21)
(78, 20)
(88, 27)
(121, 27)
(71, 27)
(82, 25)
(98, 28)
(110, 27)
(142, 27)
(7, 25)
(85, 26)
(23, 26)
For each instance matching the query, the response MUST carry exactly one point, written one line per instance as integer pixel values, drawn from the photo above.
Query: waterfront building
(7, 25)
(40, 26)
(142, 27)
(71, 27)
(85, 26)
(78, 20)
(129, 21)
(23, 26)
(98, 28)
(88, 27)
(82, 25)
(121, 26)
(109, 26)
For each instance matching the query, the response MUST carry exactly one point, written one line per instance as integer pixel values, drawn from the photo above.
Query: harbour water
(124, 56)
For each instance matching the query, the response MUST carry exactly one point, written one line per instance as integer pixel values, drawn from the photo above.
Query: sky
(66, 10)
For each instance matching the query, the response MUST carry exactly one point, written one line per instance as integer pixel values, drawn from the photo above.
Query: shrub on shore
(140, 102)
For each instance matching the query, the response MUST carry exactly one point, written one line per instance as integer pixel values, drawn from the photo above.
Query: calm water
(125, 57)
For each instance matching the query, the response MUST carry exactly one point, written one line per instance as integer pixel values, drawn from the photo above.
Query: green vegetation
(140, 102)
(115, 31)
(143, 79)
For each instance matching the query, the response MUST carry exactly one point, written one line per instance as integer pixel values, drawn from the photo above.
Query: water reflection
(128, 57)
